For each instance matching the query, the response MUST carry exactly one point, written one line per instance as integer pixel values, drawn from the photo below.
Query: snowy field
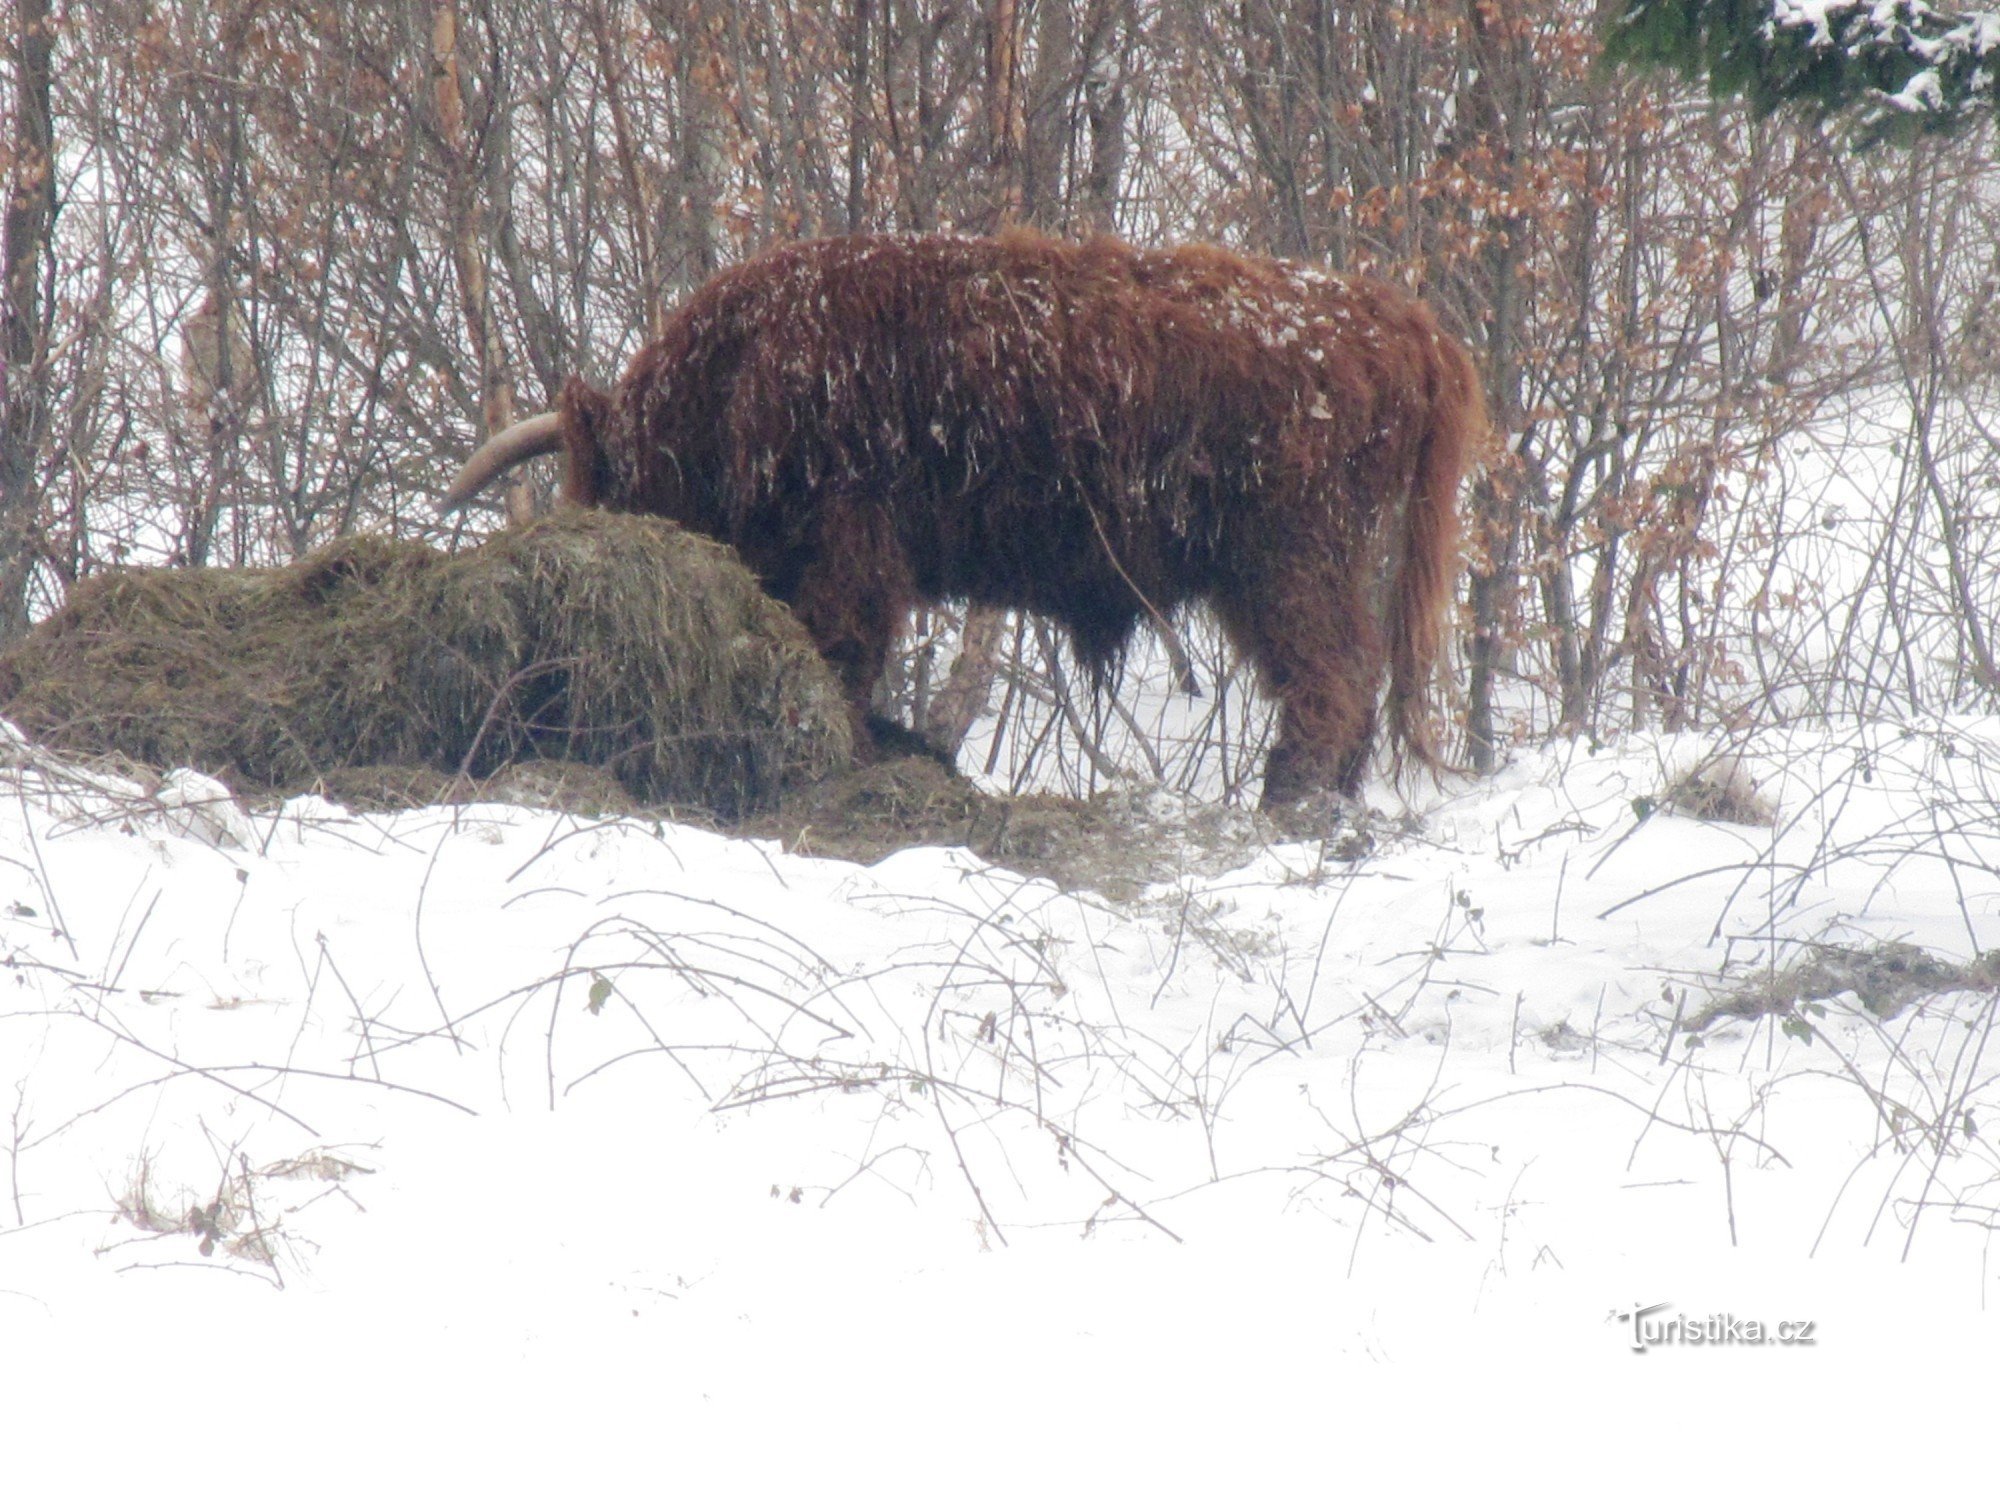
(497, 1151)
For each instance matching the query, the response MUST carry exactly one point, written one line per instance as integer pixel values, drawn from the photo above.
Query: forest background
(273, 267)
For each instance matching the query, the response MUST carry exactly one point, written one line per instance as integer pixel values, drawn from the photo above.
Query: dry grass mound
(610, 640)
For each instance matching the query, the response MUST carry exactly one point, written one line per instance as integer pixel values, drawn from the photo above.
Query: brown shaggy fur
(1090, 432)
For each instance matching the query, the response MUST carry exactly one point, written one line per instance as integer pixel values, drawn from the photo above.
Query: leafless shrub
(236, 1217)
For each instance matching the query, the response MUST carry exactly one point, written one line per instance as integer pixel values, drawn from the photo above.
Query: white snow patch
(532, 1151)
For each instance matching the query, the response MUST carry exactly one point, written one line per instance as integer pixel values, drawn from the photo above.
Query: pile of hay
(612, 640)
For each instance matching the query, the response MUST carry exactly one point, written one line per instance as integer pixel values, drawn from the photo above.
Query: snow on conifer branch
(1904, 68)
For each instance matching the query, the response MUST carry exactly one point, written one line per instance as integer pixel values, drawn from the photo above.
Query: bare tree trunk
(222, 411)
(1107, 63)
(1006, 128)
(858, 122)
(690, 254)
(968, 686)
(468, 245)
(639, 200)
(29, 227)
(1496, 499)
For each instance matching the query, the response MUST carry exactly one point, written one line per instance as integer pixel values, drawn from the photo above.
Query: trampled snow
(492, 1150)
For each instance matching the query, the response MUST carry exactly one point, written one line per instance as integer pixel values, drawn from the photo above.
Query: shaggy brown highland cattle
(1091, 432)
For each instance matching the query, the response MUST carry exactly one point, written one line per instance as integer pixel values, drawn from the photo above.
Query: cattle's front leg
(852, 598)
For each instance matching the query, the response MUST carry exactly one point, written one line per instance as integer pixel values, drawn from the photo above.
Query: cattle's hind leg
(1318, 652)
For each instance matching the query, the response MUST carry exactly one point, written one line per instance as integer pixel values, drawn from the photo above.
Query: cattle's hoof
(1341, 823)
(892, 741)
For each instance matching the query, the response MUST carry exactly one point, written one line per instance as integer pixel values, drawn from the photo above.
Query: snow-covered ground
(496, 1151)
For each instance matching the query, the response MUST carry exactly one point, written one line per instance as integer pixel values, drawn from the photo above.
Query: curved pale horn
(501, 452)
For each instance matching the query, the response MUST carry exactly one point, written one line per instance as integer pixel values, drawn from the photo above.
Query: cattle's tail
(1421, 610)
